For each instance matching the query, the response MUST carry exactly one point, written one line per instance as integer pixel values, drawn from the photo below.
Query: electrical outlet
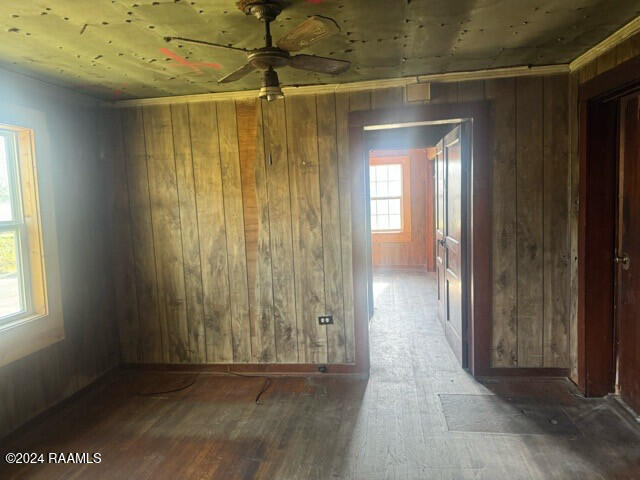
(325, 320)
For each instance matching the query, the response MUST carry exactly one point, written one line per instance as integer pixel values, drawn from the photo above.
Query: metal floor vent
(494, 414)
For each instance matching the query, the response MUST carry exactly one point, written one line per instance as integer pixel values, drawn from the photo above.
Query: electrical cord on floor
(263, 390)
(265, 387)
(173, 390)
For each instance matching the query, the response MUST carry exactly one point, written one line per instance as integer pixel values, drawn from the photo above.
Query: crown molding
(519, 71)
(613, 40)
(492, 73)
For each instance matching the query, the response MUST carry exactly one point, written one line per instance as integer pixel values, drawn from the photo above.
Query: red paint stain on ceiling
(92, 89)
(192, 65)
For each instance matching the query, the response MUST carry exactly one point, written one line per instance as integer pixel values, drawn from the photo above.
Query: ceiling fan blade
(319, 64)
(312, 30)
(237, 74)
(206, 44)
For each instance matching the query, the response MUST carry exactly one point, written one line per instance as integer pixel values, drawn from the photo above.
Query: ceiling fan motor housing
(269, 57)
(265, 11)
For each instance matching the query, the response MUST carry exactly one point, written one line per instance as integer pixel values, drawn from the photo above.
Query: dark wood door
(439, 193)
(451, 155)
(628, 253)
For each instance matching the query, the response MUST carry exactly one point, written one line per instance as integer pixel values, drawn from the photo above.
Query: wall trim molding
(250, 369)
(548, 372)
(506, 72)
(613, 40)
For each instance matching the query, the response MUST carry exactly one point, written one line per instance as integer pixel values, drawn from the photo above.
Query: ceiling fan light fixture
(270, 89)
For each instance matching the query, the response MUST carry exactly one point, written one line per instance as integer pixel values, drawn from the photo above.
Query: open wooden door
(627, 255)
(451, 160)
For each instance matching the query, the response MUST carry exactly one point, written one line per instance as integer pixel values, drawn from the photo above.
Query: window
(390, 192)
(30, 300)
(14, 264)
(386, 197)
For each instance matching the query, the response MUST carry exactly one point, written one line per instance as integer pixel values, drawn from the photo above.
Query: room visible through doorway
(416, 216)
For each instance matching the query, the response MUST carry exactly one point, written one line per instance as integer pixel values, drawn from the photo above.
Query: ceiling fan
(268, 58)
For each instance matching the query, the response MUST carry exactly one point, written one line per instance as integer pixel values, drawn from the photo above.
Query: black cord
(173, 390)
(263, 390)
(265, 387)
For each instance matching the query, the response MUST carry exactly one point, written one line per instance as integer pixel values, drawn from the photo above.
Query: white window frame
(390, 197)
(17, 225)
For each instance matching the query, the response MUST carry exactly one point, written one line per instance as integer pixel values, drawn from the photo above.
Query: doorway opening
(475, 214)
(609, 236)
(417, 226)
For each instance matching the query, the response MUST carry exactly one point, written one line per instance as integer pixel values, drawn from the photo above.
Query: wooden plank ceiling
(114, 49)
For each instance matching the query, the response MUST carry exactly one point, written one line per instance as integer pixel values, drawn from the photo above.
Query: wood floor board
(391, 426)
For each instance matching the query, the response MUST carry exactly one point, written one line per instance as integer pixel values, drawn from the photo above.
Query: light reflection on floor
(379, 287)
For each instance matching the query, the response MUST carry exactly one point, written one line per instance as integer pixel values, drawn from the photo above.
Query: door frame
(598, 144)
(478, 222)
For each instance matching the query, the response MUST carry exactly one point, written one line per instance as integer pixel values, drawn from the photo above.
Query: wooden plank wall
(236, 231)
(607, 60)
(272, 225)
(418, 252)
(530, 221)
(67, 148)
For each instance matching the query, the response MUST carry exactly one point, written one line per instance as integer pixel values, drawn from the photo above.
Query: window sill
(391, 237)
(29, 334)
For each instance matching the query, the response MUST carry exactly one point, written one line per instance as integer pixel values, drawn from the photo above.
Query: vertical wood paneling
(142, 234)
(189, 231)
(530, 208)
(122, 257)
(277, 167)
(203, 123)
(502, 95)
(362, 101)
(272, 202)
(471, 91)
(387, 97)
(308, 255)
(257, 231)
(330, 220)
(359, 101)
(234, 226)
(556, 222)
(165, 219)
(573, 225)
(75, 149)
(344, 184)
(444, 92)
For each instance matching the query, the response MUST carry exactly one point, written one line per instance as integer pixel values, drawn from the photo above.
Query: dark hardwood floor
(405, 422)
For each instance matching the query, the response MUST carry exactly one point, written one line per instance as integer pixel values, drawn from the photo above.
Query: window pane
(383, 222)
(372, 174)
(374, 207)
(394, 206)
(394, 222)
(374, 222)
(395, 189)
(383, 189)
(382, 207)
(381, 174)
(5, 193)
(10, 298)
(395, 172)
